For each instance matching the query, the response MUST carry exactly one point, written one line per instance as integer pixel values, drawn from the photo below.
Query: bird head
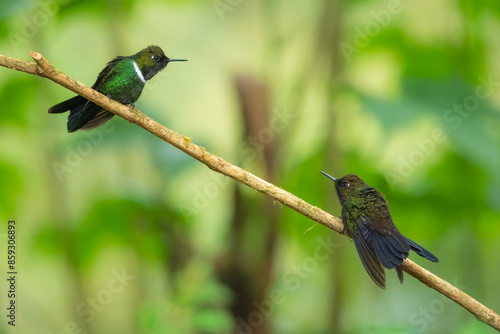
(152, 60)
(347, 186)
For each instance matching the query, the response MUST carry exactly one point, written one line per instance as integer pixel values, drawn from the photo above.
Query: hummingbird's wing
(390, 247)
(100, 118)
(81, 115)
(391, 250)
(90, 115)
(106, 73)
(361, 238)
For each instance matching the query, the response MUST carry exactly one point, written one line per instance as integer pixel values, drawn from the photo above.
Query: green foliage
(12, 186)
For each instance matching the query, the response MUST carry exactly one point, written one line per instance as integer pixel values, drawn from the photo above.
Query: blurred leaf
(11, 187)
(121, 222)
(49, 239)
(212, 321)
(17, 95)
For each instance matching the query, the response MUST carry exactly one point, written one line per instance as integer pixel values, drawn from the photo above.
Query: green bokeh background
(365, 91)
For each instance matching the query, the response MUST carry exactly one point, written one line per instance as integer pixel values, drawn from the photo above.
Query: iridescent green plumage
(367, 220)
(122, 79)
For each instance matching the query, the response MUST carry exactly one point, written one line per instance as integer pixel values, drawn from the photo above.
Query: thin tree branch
(44, 69)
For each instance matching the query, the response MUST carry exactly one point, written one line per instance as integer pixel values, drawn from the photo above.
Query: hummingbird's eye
(155, 58)
(344, 184)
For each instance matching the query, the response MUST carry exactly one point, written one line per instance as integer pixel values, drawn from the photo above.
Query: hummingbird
(367, 220)
(122, 80)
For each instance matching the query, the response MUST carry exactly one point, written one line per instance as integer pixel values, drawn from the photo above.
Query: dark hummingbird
(367, 220)
(122, 80)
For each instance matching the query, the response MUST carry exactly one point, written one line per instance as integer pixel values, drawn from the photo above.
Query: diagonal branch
(44, 69)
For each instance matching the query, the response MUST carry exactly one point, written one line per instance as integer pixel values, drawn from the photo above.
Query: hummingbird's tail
(421, 251)
(67, 105)
(83, 114)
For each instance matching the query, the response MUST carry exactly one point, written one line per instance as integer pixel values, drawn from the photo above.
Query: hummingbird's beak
(329, 176)
(177, 60)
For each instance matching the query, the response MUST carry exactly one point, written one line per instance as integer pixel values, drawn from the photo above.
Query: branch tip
(35, 55)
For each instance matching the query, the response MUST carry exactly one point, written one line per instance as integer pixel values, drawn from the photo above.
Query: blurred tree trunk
(329, 58)
(246, 265)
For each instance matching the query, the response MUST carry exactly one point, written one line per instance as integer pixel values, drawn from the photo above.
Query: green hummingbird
(367, 220)
(122, 80)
